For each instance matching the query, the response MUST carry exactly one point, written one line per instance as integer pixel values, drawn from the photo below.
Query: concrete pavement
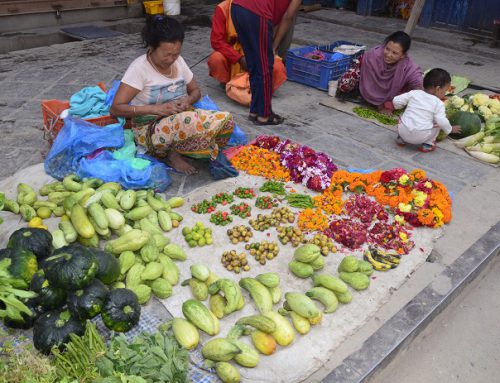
(57, 71)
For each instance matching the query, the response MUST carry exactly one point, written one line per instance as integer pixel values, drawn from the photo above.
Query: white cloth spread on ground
(307, 353)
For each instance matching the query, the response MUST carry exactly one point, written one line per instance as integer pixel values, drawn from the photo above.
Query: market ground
(57, 71)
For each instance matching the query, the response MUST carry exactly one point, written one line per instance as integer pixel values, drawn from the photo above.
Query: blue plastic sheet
(238, 137)
(83, 148)
(78, 139)
(110, 95)
(109, 169)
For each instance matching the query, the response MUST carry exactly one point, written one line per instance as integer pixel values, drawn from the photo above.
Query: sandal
(427, 147)
(273, 119)
(400, 142)
(252, 117)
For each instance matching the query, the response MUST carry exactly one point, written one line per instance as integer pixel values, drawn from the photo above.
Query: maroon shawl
(380, 82)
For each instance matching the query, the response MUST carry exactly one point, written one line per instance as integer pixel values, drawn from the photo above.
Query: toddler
(425, 114)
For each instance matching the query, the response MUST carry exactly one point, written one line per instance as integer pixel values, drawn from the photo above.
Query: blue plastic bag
(110, 95)
(82, 148)
(77, 139)
(221, 168)
(109, 169)
(238, 137)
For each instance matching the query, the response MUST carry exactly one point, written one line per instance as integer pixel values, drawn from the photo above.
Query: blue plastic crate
(317, 73)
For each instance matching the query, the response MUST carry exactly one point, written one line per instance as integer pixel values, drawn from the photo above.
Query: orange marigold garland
(260, 162)
(413, 197)
(312, 220)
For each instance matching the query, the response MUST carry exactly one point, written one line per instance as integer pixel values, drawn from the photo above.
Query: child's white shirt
(423, 110)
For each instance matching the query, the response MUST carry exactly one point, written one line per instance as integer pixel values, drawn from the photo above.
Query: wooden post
(414, 16)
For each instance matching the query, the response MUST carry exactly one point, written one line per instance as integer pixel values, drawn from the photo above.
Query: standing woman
(254, 21)
(382, 73)
(157, 93)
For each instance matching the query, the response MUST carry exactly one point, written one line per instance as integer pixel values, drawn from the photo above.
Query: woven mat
(347, 107)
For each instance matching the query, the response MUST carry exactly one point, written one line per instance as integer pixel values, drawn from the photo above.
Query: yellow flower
(403, 237)
(420, 198)
(428, 185)
(405, 208)
(403, 180)
(400, 219)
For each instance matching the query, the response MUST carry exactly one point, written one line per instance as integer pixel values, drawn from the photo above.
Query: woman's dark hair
(436, 77)
(159, 29)
(400, 38)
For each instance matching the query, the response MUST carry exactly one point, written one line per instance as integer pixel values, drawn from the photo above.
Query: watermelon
(469, 122)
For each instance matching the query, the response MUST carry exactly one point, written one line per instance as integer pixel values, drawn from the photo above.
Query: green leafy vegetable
(372, 114)
(154, 358)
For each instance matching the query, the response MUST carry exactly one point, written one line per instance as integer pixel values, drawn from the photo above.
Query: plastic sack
(238, 89)
(110, 95)
(238, 137)
(126, 172)
(77, 139)
(221, 168)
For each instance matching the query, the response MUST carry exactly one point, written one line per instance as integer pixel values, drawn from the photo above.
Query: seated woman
(157, 93)
(382, 73)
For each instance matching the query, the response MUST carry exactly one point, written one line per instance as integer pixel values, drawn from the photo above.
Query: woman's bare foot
(176, 161)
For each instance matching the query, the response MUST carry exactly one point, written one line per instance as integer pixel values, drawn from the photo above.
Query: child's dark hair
(159, 29)
(436, 77)
(400, 38)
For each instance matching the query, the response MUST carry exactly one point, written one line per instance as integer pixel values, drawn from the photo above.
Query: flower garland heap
(312, 169)
(412, 197)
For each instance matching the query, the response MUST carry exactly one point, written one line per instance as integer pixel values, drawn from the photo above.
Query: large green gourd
(469, 122)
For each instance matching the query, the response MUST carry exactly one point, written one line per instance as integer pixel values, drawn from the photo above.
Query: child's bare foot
(176, 161)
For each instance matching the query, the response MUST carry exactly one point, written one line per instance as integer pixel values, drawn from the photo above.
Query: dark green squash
(23, 263)
(49, 297)
(28, 320)
(39, 241)
(70, 267)
(470, 123)
(53, 328)
(108, 269)
(121, 311)
(88, 302)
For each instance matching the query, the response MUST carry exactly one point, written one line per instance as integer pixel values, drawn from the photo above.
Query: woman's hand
(183, 103)
(166, 109)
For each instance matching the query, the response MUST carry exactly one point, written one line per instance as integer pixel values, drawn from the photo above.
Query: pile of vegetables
(149, 358)
(468, 112)
(68, 288)
(484, 145)
(484, 105)
(71, 278)
(91, 210)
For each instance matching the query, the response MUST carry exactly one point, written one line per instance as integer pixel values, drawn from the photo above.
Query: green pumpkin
(108, 269)
(23, 263)
(470, 123)
(121, 310)
(53, 328)
(49, 297)
(39, 241)
(87, 303)
(71, 267)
